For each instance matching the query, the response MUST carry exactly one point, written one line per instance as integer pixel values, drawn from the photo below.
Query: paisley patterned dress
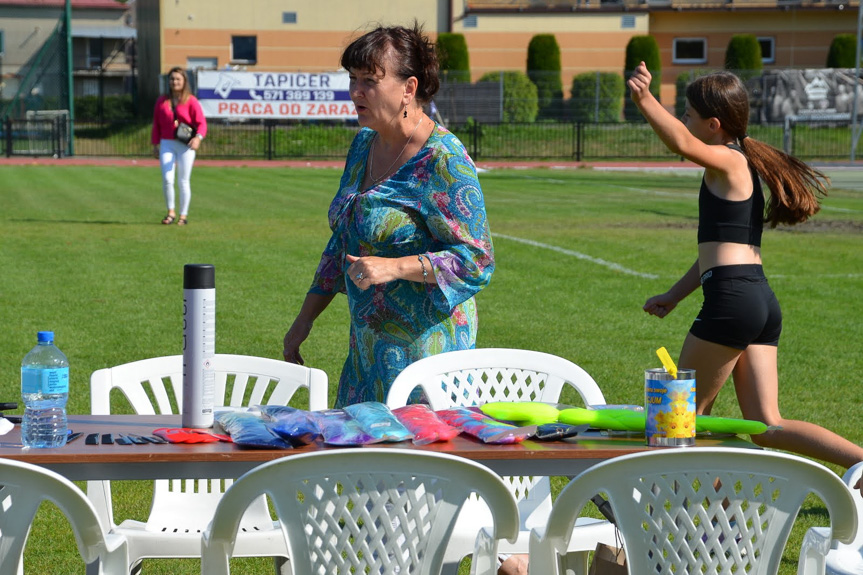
(432, 205)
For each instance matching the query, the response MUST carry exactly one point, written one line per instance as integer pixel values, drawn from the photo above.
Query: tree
(519, 95)
(543, 69)
(641, 49)
(743, 56)
(843, 51)
(453, 55)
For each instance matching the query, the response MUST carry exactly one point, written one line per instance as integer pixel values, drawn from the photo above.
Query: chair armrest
(813, 551)
(484, 560)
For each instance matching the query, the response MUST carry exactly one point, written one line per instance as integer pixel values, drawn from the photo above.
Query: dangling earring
(406, 112)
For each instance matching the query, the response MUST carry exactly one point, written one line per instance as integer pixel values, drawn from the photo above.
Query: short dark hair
(412, 54)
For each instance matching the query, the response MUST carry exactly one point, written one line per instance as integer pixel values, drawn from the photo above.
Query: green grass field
(577, 251)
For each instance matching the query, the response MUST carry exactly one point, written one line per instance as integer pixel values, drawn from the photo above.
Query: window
(202, 63)
(689, 51)
(94, 52)
(470, 21)
(289, 17)
(627, 21)
(768, 49)
(2, 46)
(244, 49)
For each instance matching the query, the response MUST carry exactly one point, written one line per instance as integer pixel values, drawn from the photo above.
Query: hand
(195, 143)
(156, 151)
(298, 333)
(370, 270)
(660, 305)
(639, 83)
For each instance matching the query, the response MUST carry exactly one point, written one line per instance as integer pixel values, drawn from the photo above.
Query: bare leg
(712, 363)
(756, 381)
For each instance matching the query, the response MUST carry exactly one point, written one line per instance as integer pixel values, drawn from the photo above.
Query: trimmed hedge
(519, 95)
(543, 69)
(843, 51)
(641, 49)
(453, 56)
(743, 56)
(597, 97)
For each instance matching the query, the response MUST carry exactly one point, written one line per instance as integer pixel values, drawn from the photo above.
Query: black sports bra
(737, 222)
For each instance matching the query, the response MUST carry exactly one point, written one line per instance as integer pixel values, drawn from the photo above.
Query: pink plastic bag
(424, 423)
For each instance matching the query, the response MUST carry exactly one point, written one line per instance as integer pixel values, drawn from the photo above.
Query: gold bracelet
(425, 273)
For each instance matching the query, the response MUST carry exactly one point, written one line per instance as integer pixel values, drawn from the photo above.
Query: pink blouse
(189, 112)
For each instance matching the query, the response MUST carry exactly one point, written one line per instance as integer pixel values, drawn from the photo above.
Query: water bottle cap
(45, 336)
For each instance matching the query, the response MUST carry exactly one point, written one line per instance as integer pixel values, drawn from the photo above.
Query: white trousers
(176, 160)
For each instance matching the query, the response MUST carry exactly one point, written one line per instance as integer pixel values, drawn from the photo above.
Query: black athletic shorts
(739, 308)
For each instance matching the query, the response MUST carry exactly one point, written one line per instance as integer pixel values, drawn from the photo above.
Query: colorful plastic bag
(377, 420)
(475, 423)
(296, 425)
(249, 430)
(339, 428)
(424, 424)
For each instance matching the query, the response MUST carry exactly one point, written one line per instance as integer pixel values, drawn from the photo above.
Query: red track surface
(151, 162)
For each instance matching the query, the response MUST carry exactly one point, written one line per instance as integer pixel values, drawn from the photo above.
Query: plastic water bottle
(44, 391)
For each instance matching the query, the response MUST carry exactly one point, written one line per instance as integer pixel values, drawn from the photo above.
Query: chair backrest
(23, 488)
(478, 376)
(704, 510)
(374, 510)
(155, 385)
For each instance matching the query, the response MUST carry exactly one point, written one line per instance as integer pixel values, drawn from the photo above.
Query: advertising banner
(275, 95)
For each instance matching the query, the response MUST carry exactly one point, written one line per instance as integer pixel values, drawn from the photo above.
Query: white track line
(609, 265)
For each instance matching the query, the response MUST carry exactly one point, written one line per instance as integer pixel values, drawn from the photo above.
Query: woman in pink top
(176, 157)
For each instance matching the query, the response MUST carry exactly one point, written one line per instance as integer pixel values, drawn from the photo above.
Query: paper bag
(608, 560)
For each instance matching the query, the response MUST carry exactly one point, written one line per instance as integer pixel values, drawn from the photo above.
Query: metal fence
(271, 140)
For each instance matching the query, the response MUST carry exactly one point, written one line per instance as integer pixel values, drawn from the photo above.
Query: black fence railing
(271, 140)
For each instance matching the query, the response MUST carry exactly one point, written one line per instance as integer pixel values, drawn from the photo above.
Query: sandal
(182, 221)
(169, 219)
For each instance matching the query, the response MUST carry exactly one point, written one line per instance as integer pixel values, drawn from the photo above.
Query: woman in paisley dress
(410, 244)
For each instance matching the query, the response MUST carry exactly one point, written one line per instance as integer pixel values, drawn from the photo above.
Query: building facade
(103, 35)
(308, 36)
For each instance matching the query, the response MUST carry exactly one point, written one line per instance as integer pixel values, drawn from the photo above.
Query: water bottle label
(47, 381)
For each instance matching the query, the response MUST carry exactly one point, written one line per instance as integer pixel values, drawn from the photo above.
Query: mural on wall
(809, 93)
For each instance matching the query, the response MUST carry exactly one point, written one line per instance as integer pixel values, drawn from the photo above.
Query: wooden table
(79, 461)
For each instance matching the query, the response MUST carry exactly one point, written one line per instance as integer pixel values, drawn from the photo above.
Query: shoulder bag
(183, 132)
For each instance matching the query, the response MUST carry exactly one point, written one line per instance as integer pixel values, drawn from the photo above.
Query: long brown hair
(794, 186)
(184, 95)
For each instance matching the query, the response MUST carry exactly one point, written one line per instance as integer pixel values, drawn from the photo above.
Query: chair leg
(283, 566)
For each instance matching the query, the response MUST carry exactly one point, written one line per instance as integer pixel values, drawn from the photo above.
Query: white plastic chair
(182, 508)
(23, 488)
(373, 510)
(478, 376)
(697, 510)
(820, 553)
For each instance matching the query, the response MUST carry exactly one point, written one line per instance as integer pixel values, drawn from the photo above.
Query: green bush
(519, 95)
(453, 55)
(114, 108)
(543, 69)
(606, 87)
(641, 49)
(843, 51)
(743, 56)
